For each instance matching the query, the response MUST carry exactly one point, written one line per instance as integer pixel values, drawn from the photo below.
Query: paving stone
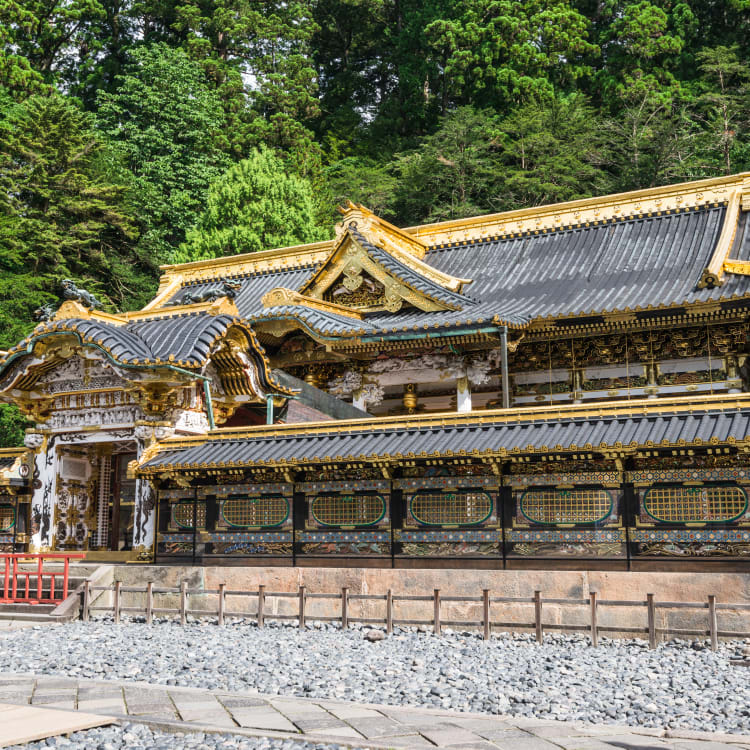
(561, 730)
(372, 728)
(231, 701)
(500, 734)
(103, 705)
(409, 740)
(263, 719)
(698, 745)
(338, 732)
(15, 698)
(530, 743)
(586, 743)
(354, 712)
(163, 710)
(318, 724)
(446, 735)
(53, 698)
(635, 741)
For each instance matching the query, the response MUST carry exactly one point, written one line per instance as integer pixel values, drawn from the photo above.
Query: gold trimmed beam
(623, 408)
(713, 273)
(282, 296)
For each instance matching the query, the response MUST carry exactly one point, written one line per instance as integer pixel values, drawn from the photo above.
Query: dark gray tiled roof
(631, 263)
(641, 262)
(187, 337)
(553, 434)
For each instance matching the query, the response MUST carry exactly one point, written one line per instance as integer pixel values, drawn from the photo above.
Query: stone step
(13, 608)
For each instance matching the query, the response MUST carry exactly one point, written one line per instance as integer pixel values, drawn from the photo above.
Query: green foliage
(503, 51)
(60, 215)
(256, 205)
(12, 426)
(542, 152)
(166, 123)
(223, 126)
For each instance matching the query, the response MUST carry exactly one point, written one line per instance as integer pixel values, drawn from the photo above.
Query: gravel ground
(137, 736)
(679, 684)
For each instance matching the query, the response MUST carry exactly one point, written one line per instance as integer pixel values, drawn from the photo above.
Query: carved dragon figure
(227, 288)
(44, 313)
(71, 291)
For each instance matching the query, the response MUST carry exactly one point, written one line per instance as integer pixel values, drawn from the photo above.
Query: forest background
(140, 132)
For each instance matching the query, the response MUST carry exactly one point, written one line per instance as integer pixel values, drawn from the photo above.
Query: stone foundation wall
(731, 588)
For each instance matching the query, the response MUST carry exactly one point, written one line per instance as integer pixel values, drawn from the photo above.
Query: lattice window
(695, 504)
(566, 506)
(348, 510)
(7, 517)
(182, 514)
(464, 507)
(101, 537)
(255, 511)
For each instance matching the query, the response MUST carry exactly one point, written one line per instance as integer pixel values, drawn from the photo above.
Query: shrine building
(565, 386)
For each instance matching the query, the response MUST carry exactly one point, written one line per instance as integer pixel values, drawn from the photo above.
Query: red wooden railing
(18, 582)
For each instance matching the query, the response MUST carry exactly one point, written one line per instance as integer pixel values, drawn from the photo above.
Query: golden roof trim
(633, 407)
(584, 211)
(369, 220)
(535, 219)
(740, 267)
(713, 273)
(283, 296)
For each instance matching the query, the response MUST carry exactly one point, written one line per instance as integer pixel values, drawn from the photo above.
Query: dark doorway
(122, 504)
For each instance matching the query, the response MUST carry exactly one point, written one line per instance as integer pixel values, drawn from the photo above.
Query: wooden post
(594, 631)
(389, 612)
(86, 599)
(183, 602)
(436, 615)
(222, 600)
(149, 603)
(651, 620)
(538, 616)
(713, 624)
(261, 604)
(117, 602)
(344, 608)
(486, 613)
(302, 607)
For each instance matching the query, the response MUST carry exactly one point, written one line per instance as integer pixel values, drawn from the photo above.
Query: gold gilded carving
(71, 309)
(282, 296)
(713, 274)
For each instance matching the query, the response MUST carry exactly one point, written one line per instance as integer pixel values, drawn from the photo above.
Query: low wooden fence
(24, 579)
(593, 605)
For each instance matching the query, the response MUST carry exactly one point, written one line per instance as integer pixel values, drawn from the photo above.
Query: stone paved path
(351, 724)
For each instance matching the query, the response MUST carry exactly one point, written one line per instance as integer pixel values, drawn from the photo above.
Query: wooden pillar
(538, 616)
(651, 620)
(117, 601)
(301, 607)
(486, 613)
(183, 602)
(86, 597)
(222, 601)
(594, 630)
(261, 604)
(463, 395)
(713, 624)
